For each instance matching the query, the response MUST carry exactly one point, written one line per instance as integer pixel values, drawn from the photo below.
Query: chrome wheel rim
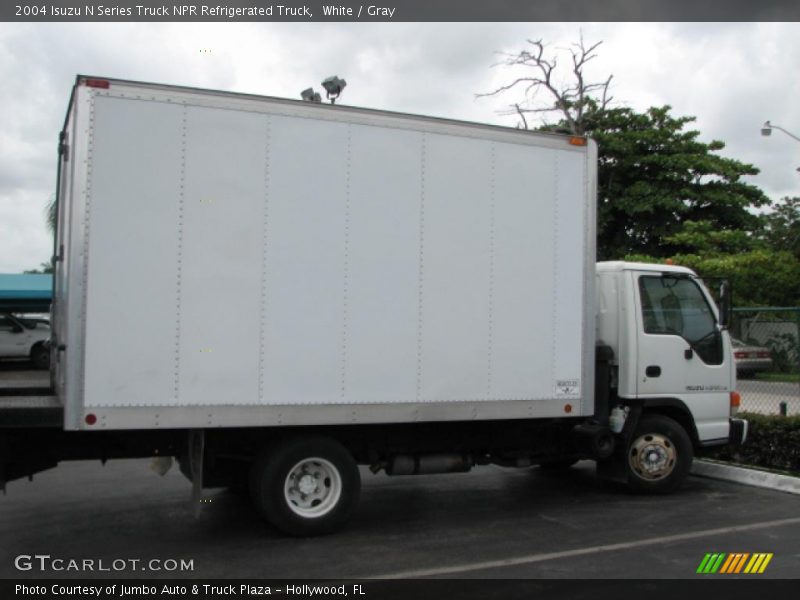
(652, 456)
(312, 488)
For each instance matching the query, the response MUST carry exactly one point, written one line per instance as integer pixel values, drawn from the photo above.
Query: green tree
(760, 274)
(654, 176)
(44, 268)
(50, 220)
(703, 238)
(51, 216)
(782, 226)
(760, 277)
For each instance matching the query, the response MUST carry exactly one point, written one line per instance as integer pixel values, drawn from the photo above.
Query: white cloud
(731, 76)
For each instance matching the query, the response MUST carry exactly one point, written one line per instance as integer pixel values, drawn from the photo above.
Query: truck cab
(671, 351)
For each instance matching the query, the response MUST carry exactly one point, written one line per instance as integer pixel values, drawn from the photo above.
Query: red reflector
(763, 354)
(740, 354)
(97, 83)
(91, 419)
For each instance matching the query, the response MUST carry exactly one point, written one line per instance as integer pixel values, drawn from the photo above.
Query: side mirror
(724, 304)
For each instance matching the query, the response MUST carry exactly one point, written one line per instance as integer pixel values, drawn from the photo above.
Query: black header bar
(397, 10)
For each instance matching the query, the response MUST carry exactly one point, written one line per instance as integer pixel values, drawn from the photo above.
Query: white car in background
(25, 337)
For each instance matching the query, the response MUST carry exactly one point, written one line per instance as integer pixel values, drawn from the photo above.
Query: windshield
(677, 306)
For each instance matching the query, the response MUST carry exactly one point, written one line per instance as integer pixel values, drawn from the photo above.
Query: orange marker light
(97, 83)
(577, 141)
(736, 401)
(568, 408)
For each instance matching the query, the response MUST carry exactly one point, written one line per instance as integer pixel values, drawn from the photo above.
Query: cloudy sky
(732, 77)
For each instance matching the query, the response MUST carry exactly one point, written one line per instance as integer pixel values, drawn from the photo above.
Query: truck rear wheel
(659, 456)
(306, 486)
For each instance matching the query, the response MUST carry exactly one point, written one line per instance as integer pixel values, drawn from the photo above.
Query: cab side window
(677, 306)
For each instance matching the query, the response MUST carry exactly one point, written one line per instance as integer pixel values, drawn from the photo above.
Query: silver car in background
(750, 359)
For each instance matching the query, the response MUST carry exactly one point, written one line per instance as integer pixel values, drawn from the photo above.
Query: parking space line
(536, 558)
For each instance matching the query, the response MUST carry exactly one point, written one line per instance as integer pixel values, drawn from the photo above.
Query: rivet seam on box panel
(179, 251)
(345, 291)
(264, 258)
(421, 263)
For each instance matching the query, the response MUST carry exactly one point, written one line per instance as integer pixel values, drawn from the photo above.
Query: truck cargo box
(237, 260)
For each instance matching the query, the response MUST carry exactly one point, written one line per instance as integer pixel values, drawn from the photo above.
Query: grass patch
(789, 377)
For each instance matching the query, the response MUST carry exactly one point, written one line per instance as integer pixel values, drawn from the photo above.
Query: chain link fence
(766, 348)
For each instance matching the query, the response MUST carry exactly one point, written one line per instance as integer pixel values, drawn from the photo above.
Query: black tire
(659, 456)
(40, 356)
(310, 461)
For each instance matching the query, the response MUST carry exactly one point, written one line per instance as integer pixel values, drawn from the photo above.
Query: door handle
(653, 371)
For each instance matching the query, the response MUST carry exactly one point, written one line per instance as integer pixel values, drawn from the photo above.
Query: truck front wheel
(659, 456)
(306, 486)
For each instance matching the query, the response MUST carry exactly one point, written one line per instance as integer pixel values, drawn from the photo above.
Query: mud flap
(197, 442)
(614, 468)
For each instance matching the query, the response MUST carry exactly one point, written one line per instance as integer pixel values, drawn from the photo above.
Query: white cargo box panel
(235, 260)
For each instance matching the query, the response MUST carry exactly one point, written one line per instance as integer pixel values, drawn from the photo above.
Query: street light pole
(766, 130)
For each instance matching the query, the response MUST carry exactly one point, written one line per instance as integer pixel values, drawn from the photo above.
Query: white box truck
(275, 292)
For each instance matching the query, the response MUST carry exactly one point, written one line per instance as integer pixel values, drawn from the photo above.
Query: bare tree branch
(521, 114)
(568, 100)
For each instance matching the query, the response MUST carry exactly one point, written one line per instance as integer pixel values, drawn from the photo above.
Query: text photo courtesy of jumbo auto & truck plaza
(407, 295)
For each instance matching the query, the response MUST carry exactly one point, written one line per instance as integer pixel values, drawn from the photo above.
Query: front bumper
(738, 432)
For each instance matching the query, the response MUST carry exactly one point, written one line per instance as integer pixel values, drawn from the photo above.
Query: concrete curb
(762, 479)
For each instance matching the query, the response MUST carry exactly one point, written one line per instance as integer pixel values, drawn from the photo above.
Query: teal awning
(25, 293)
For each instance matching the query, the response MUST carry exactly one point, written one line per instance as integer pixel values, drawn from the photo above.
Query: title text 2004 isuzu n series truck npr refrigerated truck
(277, 291)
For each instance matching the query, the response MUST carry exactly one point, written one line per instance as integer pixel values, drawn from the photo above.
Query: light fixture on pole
(767, 127)
(333, 87)
(309, 95)
(766, 130)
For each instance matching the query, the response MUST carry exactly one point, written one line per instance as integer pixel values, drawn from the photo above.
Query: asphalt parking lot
(490, 523)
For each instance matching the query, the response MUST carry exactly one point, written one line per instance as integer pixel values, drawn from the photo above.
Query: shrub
(772, 442)
(783, 348)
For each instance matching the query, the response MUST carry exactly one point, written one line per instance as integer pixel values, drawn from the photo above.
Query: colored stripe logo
(733, 563)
